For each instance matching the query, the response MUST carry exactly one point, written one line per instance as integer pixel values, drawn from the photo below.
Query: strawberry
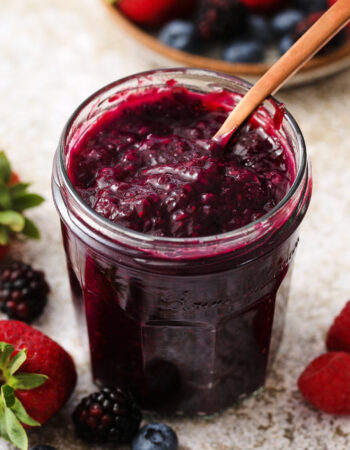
(338, 337)
(14, 199)
(264, 6)
(153, 13)
(37, 377)
(325, 383)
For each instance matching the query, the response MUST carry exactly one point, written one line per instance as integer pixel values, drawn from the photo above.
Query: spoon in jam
(329, 24)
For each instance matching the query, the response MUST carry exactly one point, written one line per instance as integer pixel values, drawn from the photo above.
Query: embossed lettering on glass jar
(190, 324)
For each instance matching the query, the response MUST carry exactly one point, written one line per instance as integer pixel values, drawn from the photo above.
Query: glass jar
(190, 325)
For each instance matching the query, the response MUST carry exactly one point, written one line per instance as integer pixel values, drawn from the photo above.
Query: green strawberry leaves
(5, 168)
(14, 199)
(12, 412)
(27, 381)
(14, 220)
(30, 229)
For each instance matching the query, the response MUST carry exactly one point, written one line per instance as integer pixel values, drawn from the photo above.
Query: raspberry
(338, 337)
(23, 292)
(110, 415)
(325, 383)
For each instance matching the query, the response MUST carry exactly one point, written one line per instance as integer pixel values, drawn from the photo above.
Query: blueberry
(311, 5)
(248, 50)
(180, 35)
(285, 43)
(42, 447)
(285, 21)
(259, 27)
(155, 436)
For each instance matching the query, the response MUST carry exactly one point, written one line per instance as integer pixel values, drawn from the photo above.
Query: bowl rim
(203, 62)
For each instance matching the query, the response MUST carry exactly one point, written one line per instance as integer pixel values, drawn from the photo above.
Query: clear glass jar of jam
(190, 323)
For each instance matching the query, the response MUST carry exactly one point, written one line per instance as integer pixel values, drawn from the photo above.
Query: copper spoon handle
(329, 24)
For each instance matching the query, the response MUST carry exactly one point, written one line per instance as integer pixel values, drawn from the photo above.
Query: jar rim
(147, 239)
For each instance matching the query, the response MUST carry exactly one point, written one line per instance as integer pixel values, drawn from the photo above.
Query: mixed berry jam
(188, 331)
(151, 165)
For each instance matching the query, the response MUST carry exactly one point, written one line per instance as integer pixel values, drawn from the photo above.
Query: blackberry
(23, 291)
(110, 415)
(220, 19)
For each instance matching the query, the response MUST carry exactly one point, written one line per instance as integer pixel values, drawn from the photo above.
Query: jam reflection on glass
(194, 339)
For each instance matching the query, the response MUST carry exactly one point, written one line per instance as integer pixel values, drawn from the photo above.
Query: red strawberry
(325, 383)
(264, 6)
(338, 337)
(38, 376)
(14, 179)
(155, 12)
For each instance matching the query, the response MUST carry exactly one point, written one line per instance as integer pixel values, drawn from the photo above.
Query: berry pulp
(152, 167)
(189, 329)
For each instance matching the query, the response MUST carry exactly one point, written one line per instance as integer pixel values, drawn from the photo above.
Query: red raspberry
(325, 383)
(264, 6)
(338, 337)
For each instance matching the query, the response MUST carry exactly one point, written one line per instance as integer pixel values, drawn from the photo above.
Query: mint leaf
(30, 229)
(25, 200)
(8, 395)
(27, 381)
(5, 168)
(13, 219)
(6, 351)
(17, 361)
(22, 414)
(4, 235)
(15, 430)
(18, 188)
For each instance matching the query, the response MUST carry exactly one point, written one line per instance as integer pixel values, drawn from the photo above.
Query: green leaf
(30, 229)
(5, 168)
(26, 200)
(18, 188)
(4, 235)
(22, 414)
(27, 381)
(3, 432)
(6, 351)
(17, 361)
(8, 395)
(15, 430)
(13, 219)
(5, 197)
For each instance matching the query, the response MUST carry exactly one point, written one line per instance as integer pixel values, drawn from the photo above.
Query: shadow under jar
(191, 325)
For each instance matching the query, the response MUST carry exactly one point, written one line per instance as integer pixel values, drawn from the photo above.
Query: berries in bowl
(239, 37)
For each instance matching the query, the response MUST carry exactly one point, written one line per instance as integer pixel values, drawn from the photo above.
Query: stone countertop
(52, 56)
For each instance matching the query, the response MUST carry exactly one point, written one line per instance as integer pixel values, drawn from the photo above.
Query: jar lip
(150, 239)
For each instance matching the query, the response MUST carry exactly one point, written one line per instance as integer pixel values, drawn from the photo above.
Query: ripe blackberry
(220, 19)
(110, 415)
(23, 291)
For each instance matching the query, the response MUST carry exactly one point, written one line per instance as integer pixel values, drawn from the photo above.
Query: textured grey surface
(55, 53)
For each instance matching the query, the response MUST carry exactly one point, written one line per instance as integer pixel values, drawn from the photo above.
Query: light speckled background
(52, 55)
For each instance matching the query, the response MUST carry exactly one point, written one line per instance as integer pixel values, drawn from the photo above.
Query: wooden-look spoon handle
(329, 24)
